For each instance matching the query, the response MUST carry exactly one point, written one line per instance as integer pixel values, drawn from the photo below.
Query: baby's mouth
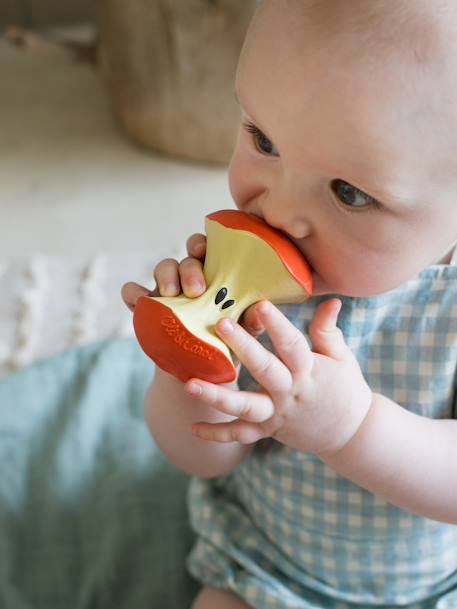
(299, 245)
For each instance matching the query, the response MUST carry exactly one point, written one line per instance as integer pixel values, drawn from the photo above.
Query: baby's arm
(408, 459)
(170, 413)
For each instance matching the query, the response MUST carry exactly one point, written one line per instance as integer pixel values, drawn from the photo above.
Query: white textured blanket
(49, 304)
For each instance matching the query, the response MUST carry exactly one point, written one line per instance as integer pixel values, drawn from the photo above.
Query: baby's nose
(299, 229)
(294, 227)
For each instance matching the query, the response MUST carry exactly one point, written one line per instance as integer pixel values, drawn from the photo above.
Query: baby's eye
(262, 143)
(351, 196)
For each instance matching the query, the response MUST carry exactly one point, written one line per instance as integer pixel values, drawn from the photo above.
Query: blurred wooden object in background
(44, 13)
(169, 66)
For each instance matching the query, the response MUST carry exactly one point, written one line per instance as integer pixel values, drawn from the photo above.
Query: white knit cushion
(49, 304)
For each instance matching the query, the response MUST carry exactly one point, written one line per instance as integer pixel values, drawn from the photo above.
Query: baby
(326, 477)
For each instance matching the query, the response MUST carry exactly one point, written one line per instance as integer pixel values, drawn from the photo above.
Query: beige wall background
(38, 13)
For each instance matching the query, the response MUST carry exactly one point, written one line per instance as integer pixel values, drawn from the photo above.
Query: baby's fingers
(326, 337)
(249, 406)
(250, 320)
(234, 431)
(192, 279)
(172, 277)
(131, 291)
(166, 275)
(196, 245)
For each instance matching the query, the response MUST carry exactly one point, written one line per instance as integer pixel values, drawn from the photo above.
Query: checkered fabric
(284, 531)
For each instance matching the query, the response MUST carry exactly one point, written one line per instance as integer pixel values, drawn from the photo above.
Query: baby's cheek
(355, 277)
(238, 183)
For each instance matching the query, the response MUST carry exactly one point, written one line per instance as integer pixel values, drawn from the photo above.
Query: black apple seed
(228, 304)
(221, 295)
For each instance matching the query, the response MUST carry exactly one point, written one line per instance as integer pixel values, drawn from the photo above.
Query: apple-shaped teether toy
(246, 261)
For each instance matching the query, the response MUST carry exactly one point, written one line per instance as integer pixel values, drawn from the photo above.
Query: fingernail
(226, 326)
(199, 249)
(194, 388)
(263, 307)
(196, 287)
(169, 289)
(256, 325)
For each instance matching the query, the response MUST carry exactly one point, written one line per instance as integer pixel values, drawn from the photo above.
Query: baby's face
(350, 149)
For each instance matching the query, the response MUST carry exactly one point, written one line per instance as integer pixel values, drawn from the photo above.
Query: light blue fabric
(91, 514)
(284, 531)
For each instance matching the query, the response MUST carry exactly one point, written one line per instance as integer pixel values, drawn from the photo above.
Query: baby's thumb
(250, 321)
(132, 291)
(326, 337)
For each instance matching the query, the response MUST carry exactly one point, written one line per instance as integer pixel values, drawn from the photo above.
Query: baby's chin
(324, 288)
(320, 287)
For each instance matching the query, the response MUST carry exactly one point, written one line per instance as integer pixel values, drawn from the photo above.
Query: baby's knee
(209, 598)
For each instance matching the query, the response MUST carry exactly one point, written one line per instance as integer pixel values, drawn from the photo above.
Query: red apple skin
(173, 348)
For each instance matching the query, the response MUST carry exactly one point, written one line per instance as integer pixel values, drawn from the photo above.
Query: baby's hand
(186, 277)
(312, 400)
(173, 277)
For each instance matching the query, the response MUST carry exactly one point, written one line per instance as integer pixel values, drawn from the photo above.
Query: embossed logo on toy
(181, 337)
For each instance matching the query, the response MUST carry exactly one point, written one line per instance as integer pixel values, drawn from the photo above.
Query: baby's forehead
(424, 27)
(404, 48)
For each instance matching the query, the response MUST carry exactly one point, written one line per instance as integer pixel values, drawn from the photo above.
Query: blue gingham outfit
(284, 531)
